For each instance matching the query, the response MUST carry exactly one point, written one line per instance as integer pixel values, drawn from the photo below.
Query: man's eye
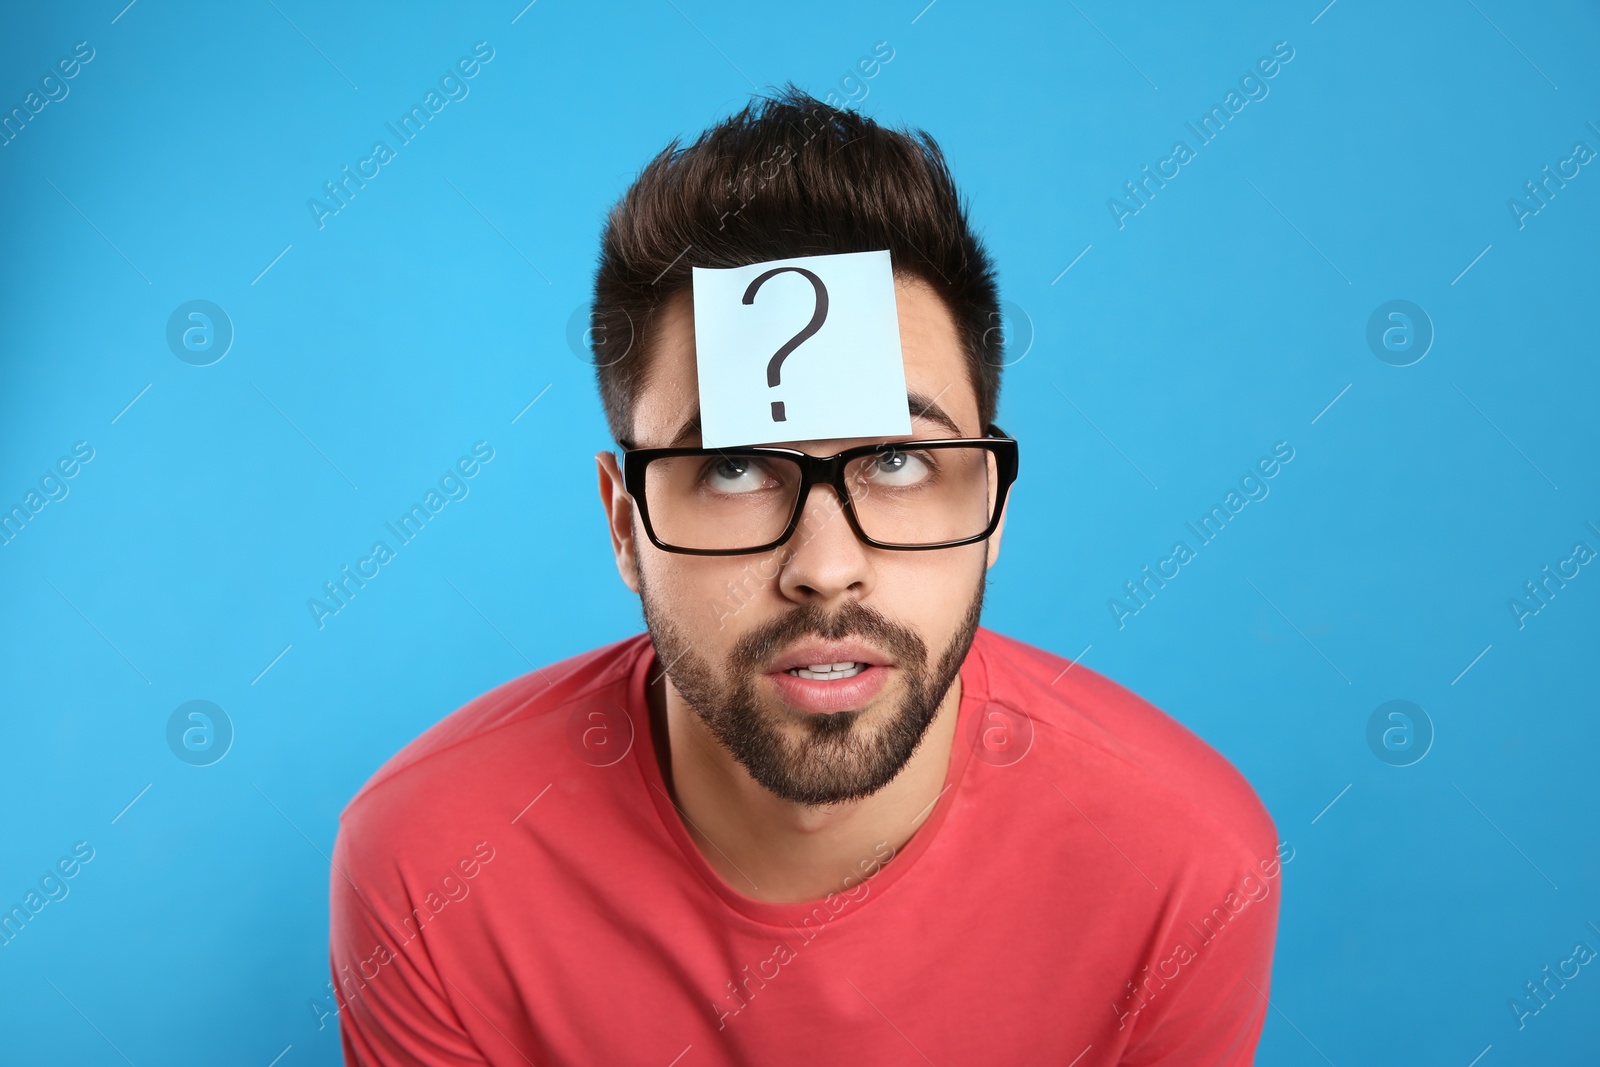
(899, 469)
(735, 475)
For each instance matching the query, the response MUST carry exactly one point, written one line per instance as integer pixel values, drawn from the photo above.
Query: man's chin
(825, 758)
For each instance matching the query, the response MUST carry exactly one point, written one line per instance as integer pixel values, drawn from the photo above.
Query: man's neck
(775, 850)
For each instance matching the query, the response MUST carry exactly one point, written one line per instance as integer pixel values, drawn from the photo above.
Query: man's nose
(825, 560)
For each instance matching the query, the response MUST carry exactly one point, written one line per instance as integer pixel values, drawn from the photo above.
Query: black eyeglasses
(909, 495)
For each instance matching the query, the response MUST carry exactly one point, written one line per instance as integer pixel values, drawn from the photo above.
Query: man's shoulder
(490, 750)
(1118, 756)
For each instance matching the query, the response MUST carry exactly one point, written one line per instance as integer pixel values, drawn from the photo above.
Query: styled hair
(787, 176)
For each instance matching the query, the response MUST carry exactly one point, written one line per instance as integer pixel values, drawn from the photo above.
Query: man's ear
(619, 518)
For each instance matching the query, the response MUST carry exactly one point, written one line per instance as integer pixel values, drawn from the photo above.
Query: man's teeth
(828, 672)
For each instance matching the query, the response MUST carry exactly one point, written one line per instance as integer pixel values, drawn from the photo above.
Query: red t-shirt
(1094, 886)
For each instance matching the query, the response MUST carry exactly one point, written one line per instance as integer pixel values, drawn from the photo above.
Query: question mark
(818, 316)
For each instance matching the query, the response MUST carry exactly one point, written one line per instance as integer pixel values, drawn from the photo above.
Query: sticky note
(798, 350)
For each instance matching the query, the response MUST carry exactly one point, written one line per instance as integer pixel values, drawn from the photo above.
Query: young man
(817, 815)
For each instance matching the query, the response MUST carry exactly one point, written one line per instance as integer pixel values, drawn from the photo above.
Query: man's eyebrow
(690, 428)
(927, 407)
(918, 405)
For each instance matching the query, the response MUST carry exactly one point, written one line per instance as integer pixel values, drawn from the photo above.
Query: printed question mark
(818, 316)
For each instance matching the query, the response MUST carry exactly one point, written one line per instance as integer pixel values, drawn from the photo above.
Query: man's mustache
(763, 644)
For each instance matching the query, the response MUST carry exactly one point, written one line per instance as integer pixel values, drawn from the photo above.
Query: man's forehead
(939, 391)
(925, 411)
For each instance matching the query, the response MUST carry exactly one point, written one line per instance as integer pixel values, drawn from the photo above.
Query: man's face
(737, 633)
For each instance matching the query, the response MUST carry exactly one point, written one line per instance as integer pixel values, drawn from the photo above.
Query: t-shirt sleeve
(394, 1006)
(1208, 985)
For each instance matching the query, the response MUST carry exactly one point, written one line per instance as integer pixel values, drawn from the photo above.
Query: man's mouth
(830, 676)
(828, 672)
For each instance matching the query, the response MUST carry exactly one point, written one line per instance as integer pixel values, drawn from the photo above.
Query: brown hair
(787, 176)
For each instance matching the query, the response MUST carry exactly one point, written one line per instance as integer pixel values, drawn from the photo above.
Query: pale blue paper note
(847, 379)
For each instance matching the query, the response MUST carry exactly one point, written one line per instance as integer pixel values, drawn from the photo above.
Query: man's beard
(833, 760)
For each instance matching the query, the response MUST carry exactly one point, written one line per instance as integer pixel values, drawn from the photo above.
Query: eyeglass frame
(829, 471)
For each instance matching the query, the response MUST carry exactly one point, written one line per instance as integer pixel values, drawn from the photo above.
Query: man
(817, 815)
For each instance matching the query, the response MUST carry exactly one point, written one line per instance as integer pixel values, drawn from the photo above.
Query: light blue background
(425, 316)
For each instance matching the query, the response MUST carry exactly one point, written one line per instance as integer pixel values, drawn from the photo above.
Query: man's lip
(813, 696)
(816, 652)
